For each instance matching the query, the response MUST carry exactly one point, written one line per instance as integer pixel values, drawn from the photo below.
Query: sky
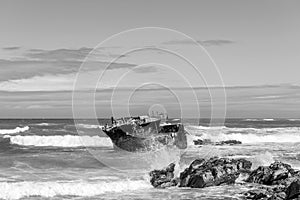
(71, 58)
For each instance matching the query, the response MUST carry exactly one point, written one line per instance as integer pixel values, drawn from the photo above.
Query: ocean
(52, 159)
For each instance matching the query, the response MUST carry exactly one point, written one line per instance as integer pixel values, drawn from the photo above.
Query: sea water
(52, 159)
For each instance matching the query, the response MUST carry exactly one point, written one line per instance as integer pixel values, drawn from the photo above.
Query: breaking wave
(294, 120)
(256, 120)
(60, 141)
(255, 138)
(45, 124)
(268, 120)
(15, 130)
(89, 126)
(247, 135)
(17, 190)
(251, 120)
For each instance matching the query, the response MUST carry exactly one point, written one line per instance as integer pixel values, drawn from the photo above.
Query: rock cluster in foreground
(280, 179)
(202, 173)
(277, 181)
(215, 171)
(163, 178)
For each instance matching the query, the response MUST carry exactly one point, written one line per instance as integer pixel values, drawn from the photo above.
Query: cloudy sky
(51, 51)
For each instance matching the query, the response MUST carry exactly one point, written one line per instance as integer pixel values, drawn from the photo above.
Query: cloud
(59, 54)
(27, 68)
(267, 97)
(11, 48)
(38, 75)
(55, 70)
(145, 69)
(217, 42)
(22, 69)
(71, 54)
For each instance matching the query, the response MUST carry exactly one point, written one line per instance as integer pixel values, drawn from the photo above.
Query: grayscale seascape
(154, 100)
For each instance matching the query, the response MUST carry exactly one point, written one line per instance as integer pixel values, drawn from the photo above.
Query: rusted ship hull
(147, 136)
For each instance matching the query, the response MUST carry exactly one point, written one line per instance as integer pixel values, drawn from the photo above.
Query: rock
(278, 181)
(163, 178)
(272, 175)
(281, 171)
(207, 141)
(284, 180)
(278, 196)
(265, 193)
(198, 142)
(293, 190)
(257, 194)
(202, 142)
(215, 171)
(229, 142)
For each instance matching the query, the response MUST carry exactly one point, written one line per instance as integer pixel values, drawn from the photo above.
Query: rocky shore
(275, 182)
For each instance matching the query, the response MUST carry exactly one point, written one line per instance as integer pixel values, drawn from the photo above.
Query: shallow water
(48, 159)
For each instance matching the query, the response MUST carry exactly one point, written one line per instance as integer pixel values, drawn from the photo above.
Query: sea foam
(14, 131)
(89, 126)
(247, 135)
(256, 138)
(60, 141)
(17, 190)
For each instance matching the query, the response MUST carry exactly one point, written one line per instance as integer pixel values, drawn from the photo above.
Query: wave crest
(89, 126)
(247, 135)
(61, 141)
(255, 138)
(15, 130)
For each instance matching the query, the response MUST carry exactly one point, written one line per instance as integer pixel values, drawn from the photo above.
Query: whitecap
(268, 120)
(248, 135)
(14, 131)
(255, 138)
(61, 141)
(89, 126)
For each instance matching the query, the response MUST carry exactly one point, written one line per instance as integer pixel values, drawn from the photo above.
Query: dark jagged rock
(229, 142)
(277, 181)
(283, 180)
(202, 142)
(163, 178)
(215, 171)
(293, 190)
(271, 175)
(266, 193)
(257, 194)
(198, 142)
(278, 196)
(202, 173)
(207, 141)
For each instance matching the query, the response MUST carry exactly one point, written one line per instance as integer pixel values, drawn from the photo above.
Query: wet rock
(293, 190)
(284, 181)
(263, 192)
(207, 142)
(229, 142)
(198, 142)
(215, 171)
(278, 196)
(275, 182)
(271, 175)
(256, 194)
(163, 178)
(202, 142)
